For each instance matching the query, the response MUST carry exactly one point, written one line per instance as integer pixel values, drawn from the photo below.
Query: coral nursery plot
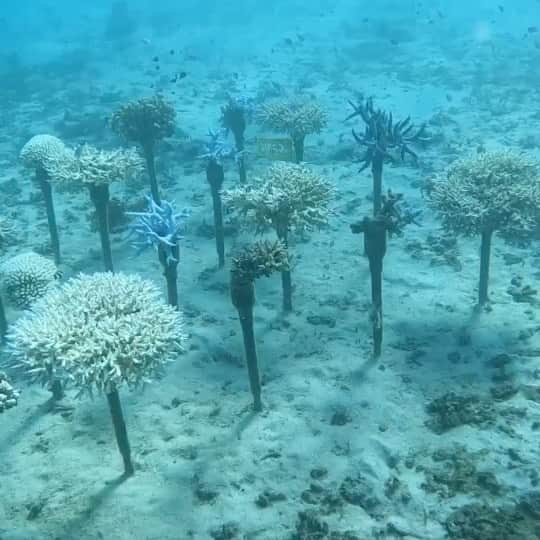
(202, 337)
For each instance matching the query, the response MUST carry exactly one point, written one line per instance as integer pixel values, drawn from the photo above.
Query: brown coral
(145, 121)
(296, 117)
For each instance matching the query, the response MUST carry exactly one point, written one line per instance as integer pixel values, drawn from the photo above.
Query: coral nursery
(268, 270)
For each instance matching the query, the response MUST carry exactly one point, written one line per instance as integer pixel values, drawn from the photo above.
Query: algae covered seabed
(439, 438)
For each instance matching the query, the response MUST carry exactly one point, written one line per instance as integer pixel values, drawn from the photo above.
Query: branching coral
(497, 190)
(382, 134)
(146, 122)
(395, 215)
(296, 117)
(382, 137)
(45, 153)
(99, 331)
(160, 227)
(217, 150)
(260, 259)
(488, 192)
(93, 166)
(234, 117)
(289, 197)
(96, 169)
(9, 397)
(27, 277)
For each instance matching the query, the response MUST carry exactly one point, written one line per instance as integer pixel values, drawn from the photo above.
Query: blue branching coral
(158, 227)
(218, 149)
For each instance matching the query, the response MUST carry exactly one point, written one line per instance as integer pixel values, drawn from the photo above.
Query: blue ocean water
(268, 270)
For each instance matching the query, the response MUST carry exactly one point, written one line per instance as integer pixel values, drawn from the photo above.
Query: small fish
(171, 52)
(146, 41)
(532, 29)
(155, 59)
(501, 8)
(177, 76)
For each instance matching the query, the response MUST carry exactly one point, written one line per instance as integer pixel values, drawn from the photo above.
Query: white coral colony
(26, 277)
(99, 332)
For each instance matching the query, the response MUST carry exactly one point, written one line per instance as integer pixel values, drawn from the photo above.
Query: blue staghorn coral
(218, 149)
(158, 227)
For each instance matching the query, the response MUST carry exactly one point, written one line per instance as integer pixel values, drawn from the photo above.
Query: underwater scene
(269, 270)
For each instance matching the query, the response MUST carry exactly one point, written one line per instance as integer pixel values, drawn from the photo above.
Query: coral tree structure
(391, 220)
(217, 150)
(297, 117)
(287, 198)
(9, 397)
(489, 192)
(146, 122)
(383, 140)
(99, 332)
(160, 227)
(234, 117)
(260, 259)
(43, 153)
(27, 277)
(96, 170)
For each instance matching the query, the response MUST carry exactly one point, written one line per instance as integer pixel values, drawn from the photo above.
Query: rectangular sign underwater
(275, 149)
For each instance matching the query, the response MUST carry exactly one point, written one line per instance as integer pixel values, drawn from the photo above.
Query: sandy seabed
(347, 447)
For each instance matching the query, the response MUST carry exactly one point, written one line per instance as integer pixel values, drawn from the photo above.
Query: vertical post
(246, 322)
(149, 154)
(377, 171)
(169, 262)
(286, 279)
(375, 233)
(239, 143)
(46, 190)
(3, 321)
(298, 143)
(485, 254)
(120, 430)
(99, 193)
(57, 389)
(243, 299)
(215, 177)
